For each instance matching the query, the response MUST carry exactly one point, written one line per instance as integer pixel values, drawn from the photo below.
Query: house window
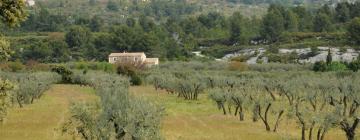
(115, 59)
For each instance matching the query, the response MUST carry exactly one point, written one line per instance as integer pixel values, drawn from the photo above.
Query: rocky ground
(344, 55)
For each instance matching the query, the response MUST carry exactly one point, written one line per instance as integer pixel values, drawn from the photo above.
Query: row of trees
(298, 19)
(23, 88)
(318, 102)
(315, 105)
(117, 115)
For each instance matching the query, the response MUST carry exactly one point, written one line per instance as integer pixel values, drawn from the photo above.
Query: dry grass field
(43, 119)
(200, 120)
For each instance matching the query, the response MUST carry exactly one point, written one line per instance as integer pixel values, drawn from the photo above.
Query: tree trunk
(303, 132)
(255, 113)
(278, 120)
(323, 134)
(32, 100)
(350, 135)
(349, 129)
(265, 118)
(236, 110)
(318, 137)
(19, 102)
(229, 109)
(223, 107)
(311, 130)
(241, 114)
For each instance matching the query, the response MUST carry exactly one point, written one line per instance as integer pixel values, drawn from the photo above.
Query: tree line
(176, 38)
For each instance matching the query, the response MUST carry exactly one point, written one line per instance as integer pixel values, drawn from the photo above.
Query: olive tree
(346, 103)
(5, 88)
(117, 115)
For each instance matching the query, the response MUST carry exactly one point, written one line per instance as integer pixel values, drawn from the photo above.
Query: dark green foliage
(96, 24)
(236, 29)
(160, 29)
(337, 66)
(112, 6)
(320, 66)
(66, 74)
(77, 37)
(354, 66)
(342, 12)
(273, 24)
(322, 23)
(131, 71)
(353, 31)
(333, 66)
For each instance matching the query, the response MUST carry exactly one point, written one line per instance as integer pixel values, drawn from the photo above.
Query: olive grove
(318, 102)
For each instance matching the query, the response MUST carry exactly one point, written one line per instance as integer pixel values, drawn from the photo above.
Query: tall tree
(304, 18)
(273, 25)
(353, 31)
(342, 12)
(96, 23)
(322, 23)
(78, 36)
(236, 28)
(291, 21)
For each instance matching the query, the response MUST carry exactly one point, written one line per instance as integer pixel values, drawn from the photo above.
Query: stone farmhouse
(134, 58)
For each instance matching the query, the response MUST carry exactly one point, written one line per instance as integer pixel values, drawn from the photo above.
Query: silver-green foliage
(25, 88)
(117, 115)
(318, 102)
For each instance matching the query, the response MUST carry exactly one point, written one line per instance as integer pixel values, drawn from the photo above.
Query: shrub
(337, 66)
(16, 66)
(320, 66)
(354, 66)
(131, 71)
(66, 74)
(238, 66)
(333, 66)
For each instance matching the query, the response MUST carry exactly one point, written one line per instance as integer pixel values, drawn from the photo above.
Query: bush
(135, 80)
(238, 66)
(354, 66)
(333, 66)
(16, 66)
(131, 71)
(66, 74)
(337, 66)
(320, 66)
